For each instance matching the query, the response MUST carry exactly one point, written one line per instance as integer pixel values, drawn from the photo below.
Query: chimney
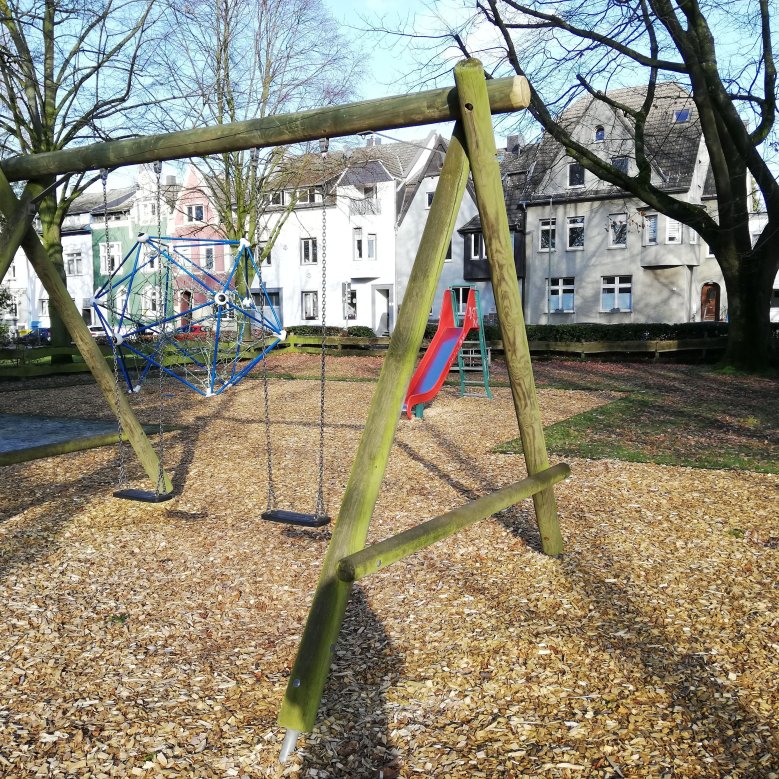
(514, 144)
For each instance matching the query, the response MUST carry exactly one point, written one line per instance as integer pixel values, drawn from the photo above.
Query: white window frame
(692, 236)
(548, 226)
(308, 251)
(574, 223)
(622, 168)
(43, 306)
(358, 247)
(650, 219)
(278, 198)
(371, 247)
(74, 263)
(13, 307)
(150, 302)
(349, 302)
(111, 249)
(192, 212)
(673, 231)
(307, 298)
(572, 166)
(460, 298)
(619, 285)
(561, 287)
(599, 130)
(307, 195)
(12, 272)
(618, 219)
(478, 247)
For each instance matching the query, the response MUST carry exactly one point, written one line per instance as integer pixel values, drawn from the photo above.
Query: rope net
(193, 308)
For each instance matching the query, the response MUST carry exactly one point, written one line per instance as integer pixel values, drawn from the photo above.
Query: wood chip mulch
(156, 641)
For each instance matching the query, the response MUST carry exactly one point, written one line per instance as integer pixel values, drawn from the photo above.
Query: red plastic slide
(435, 363)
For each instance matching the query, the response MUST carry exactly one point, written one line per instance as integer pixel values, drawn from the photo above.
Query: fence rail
(24, 363)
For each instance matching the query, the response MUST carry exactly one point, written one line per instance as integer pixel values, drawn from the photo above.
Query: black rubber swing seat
(295, 518)
(144, 496)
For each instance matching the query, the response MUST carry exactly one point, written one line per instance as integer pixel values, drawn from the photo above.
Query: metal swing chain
(271, 504)
(160, 308)
(320, 497)
(112, 305)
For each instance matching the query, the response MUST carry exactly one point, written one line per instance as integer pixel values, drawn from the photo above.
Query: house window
(310, 305)
(517, 179)
(650, 229)
(13, 270)
(460, 295)
(357, 243)
(371, 246)
(262, 247)
(621, 164)
(308, 251)
(73, 266)
(13, 307)
(561, 295)
(478, 251)
(618, 230)
(195, 213)
(109, 256)
(547, 235)
(149, 301)
(43, 307)
(682, 115)
(575, 174)
(575, 232)
(616, 293)
(208, 258)
(350, 301)
(673, 231)
(692, 236)
(448, 252)
(774, 299)
(277, 198)
(307, 195)
(600, 133)
(429, 199)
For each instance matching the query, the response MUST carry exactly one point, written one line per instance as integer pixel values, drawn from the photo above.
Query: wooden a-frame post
(312, 664)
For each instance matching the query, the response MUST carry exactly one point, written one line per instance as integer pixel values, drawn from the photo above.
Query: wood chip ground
(147, 640)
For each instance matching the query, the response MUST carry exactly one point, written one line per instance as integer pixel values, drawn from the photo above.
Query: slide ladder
(474, 357)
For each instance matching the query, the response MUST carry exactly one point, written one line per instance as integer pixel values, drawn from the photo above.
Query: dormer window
(600, 133)
(682, 115)
(575, 174)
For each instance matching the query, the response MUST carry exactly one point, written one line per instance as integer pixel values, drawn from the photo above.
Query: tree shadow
(352, 739)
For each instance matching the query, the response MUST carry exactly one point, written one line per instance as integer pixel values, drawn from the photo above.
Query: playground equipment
(434, 366)
(164, 307)
(474, 357)
(472, 149)
(271, 513)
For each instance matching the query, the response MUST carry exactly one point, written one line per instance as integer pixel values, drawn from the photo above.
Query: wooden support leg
(17, 226)
(477, 124)
(90, 351)
(309, 674)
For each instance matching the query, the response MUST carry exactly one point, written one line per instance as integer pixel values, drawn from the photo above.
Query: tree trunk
(749, 281)
(52, 241)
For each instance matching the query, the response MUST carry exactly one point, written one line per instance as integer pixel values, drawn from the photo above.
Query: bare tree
(577, 48)
(71, 71)
(245, 59)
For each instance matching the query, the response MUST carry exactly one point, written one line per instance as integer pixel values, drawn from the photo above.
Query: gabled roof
(371, 172)
(671, 146)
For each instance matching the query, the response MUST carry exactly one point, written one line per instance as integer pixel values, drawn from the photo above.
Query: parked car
(97, 331)
(38, 337)
(193, 332)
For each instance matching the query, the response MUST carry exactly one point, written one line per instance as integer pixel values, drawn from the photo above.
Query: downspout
(549, 267)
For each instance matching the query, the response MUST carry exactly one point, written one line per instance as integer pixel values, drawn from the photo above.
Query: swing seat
(144, 496)
(294, 518)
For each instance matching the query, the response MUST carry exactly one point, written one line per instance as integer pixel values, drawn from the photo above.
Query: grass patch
(680, 429)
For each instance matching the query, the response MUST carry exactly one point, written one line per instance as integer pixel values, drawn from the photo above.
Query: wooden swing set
(471, 151)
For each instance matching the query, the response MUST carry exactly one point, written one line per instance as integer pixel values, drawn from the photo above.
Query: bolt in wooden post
(477, 123)
(309, 673)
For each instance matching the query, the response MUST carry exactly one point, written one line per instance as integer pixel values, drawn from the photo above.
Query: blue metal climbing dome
(165, 306)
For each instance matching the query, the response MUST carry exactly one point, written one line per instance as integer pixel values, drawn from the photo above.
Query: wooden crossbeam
(378, 556)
